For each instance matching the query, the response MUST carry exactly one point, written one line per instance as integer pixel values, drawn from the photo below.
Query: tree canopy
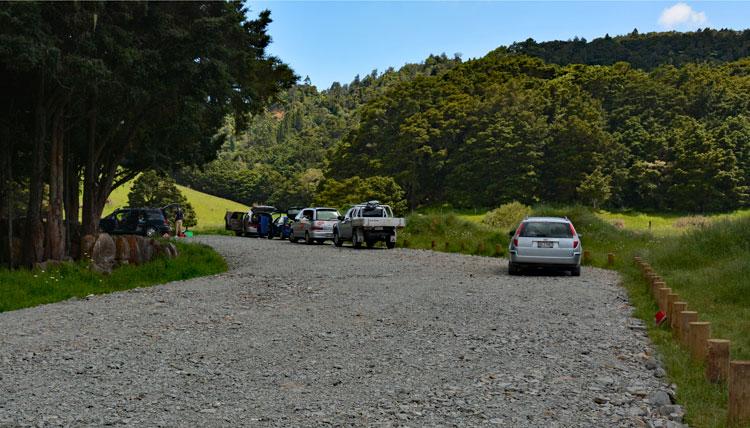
(98, 92)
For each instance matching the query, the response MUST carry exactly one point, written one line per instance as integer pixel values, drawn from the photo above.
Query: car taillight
(572, 229)
(575, 244)
(518, 233)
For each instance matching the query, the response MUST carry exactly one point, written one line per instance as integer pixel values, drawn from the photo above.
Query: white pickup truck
(367, 223)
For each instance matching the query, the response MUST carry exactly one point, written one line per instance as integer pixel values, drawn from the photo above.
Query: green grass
(23, 288)
(663, 224)
(460, 235)
(209, 209)
(707, 266)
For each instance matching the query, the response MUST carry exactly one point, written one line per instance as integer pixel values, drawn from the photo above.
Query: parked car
(233, 221)
(367, 223)
(281, 227)
(136, 221)
(550, 242)
(256, 221)
(314, 224)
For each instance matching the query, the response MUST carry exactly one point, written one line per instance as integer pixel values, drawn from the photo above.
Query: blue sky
(333, 41)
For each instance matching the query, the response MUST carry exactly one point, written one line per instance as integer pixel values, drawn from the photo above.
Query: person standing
(178, 217)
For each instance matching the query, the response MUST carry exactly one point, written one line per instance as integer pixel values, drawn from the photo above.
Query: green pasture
(209, 209)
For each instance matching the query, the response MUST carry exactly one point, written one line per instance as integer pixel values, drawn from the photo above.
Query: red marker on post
(660, 317)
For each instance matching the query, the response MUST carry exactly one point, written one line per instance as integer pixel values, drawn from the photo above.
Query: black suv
(136, 221)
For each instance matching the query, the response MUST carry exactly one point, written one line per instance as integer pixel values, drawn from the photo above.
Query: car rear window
(373, 212)
(327, 214)
(546, 229)
(154, 215)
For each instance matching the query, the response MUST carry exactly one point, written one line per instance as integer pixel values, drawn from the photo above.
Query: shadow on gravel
(543, 272)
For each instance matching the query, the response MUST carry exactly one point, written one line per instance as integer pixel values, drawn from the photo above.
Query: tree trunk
(90, 217)
(7, 193)
(55, 239)
(72, 202)
(34, 239)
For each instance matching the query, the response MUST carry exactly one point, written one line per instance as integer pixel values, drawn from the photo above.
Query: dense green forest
(510, 126)
(645, 51)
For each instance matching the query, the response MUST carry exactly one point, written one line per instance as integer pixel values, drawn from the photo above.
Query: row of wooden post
(695, 335)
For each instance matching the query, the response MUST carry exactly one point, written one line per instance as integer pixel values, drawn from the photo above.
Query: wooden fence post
(610, 259)
(677, 307)
(686, 317)
(671, 298)
(717, 360)
(699, 333)
(498, 251)
(432, 245)
(661, 296)
(738, 410)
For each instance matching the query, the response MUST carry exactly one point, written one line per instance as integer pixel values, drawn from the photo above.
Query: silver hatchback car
(545, 242)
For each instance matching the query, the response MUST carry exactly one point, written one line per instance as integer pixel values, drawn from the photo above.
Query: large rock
(134, 244)
(103, 254)
(147, 250)
(87, 247)
(122, 250)
(172, 248)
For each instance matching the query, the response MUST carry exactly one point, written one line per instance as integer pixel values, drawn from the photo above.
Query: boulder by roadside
(106, 252)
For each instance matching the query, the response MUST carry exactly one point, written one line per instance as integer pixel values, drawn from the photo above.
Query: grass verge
(23, 288)
(452, 233)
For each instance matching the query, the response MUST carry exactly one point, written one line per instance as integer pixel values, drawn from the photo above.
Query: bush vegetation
(506, 216)
(453, 234)
(25, 288)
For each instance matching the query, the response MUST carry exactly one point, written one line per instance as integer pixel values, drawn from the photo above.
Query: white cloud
(681, 15)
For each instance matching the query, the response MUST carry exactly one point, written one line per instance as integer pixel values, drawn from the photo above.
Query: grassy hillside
(209, 209)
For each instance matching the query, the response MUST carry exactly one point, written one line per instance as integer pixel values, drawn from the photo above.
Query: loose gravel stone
(301, 335)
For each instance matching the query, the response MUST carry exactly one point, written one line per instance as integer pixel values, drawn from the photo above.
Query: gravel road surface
(298, 335)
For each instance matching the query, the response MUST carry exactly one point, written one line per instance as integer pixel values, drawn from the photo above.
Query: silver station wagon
(550, 242)
(314, 224)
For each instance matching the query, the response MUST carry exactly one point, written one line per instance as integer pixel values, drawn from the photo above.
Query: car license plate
(544, 244)
(378, 228)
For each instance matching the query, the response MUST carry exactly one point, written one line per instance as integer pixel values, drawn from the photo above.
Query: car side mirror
(341, 218)
(580, 235)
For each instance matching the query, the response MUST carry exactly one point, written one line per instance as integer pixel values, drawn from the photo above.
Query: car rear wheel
(513, 269)
(238, 233)
(336, 239)
(355, 239)
(308, 240)
(390, 244)
(370, 244)
(292, 239)
(576, 271)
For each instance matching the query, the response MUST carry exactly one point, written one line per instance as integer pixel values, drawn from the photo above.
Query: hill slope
(209, 209)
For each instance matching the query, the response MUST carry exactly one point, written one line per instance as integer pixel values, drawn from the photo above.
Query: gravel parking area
(298, 335)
